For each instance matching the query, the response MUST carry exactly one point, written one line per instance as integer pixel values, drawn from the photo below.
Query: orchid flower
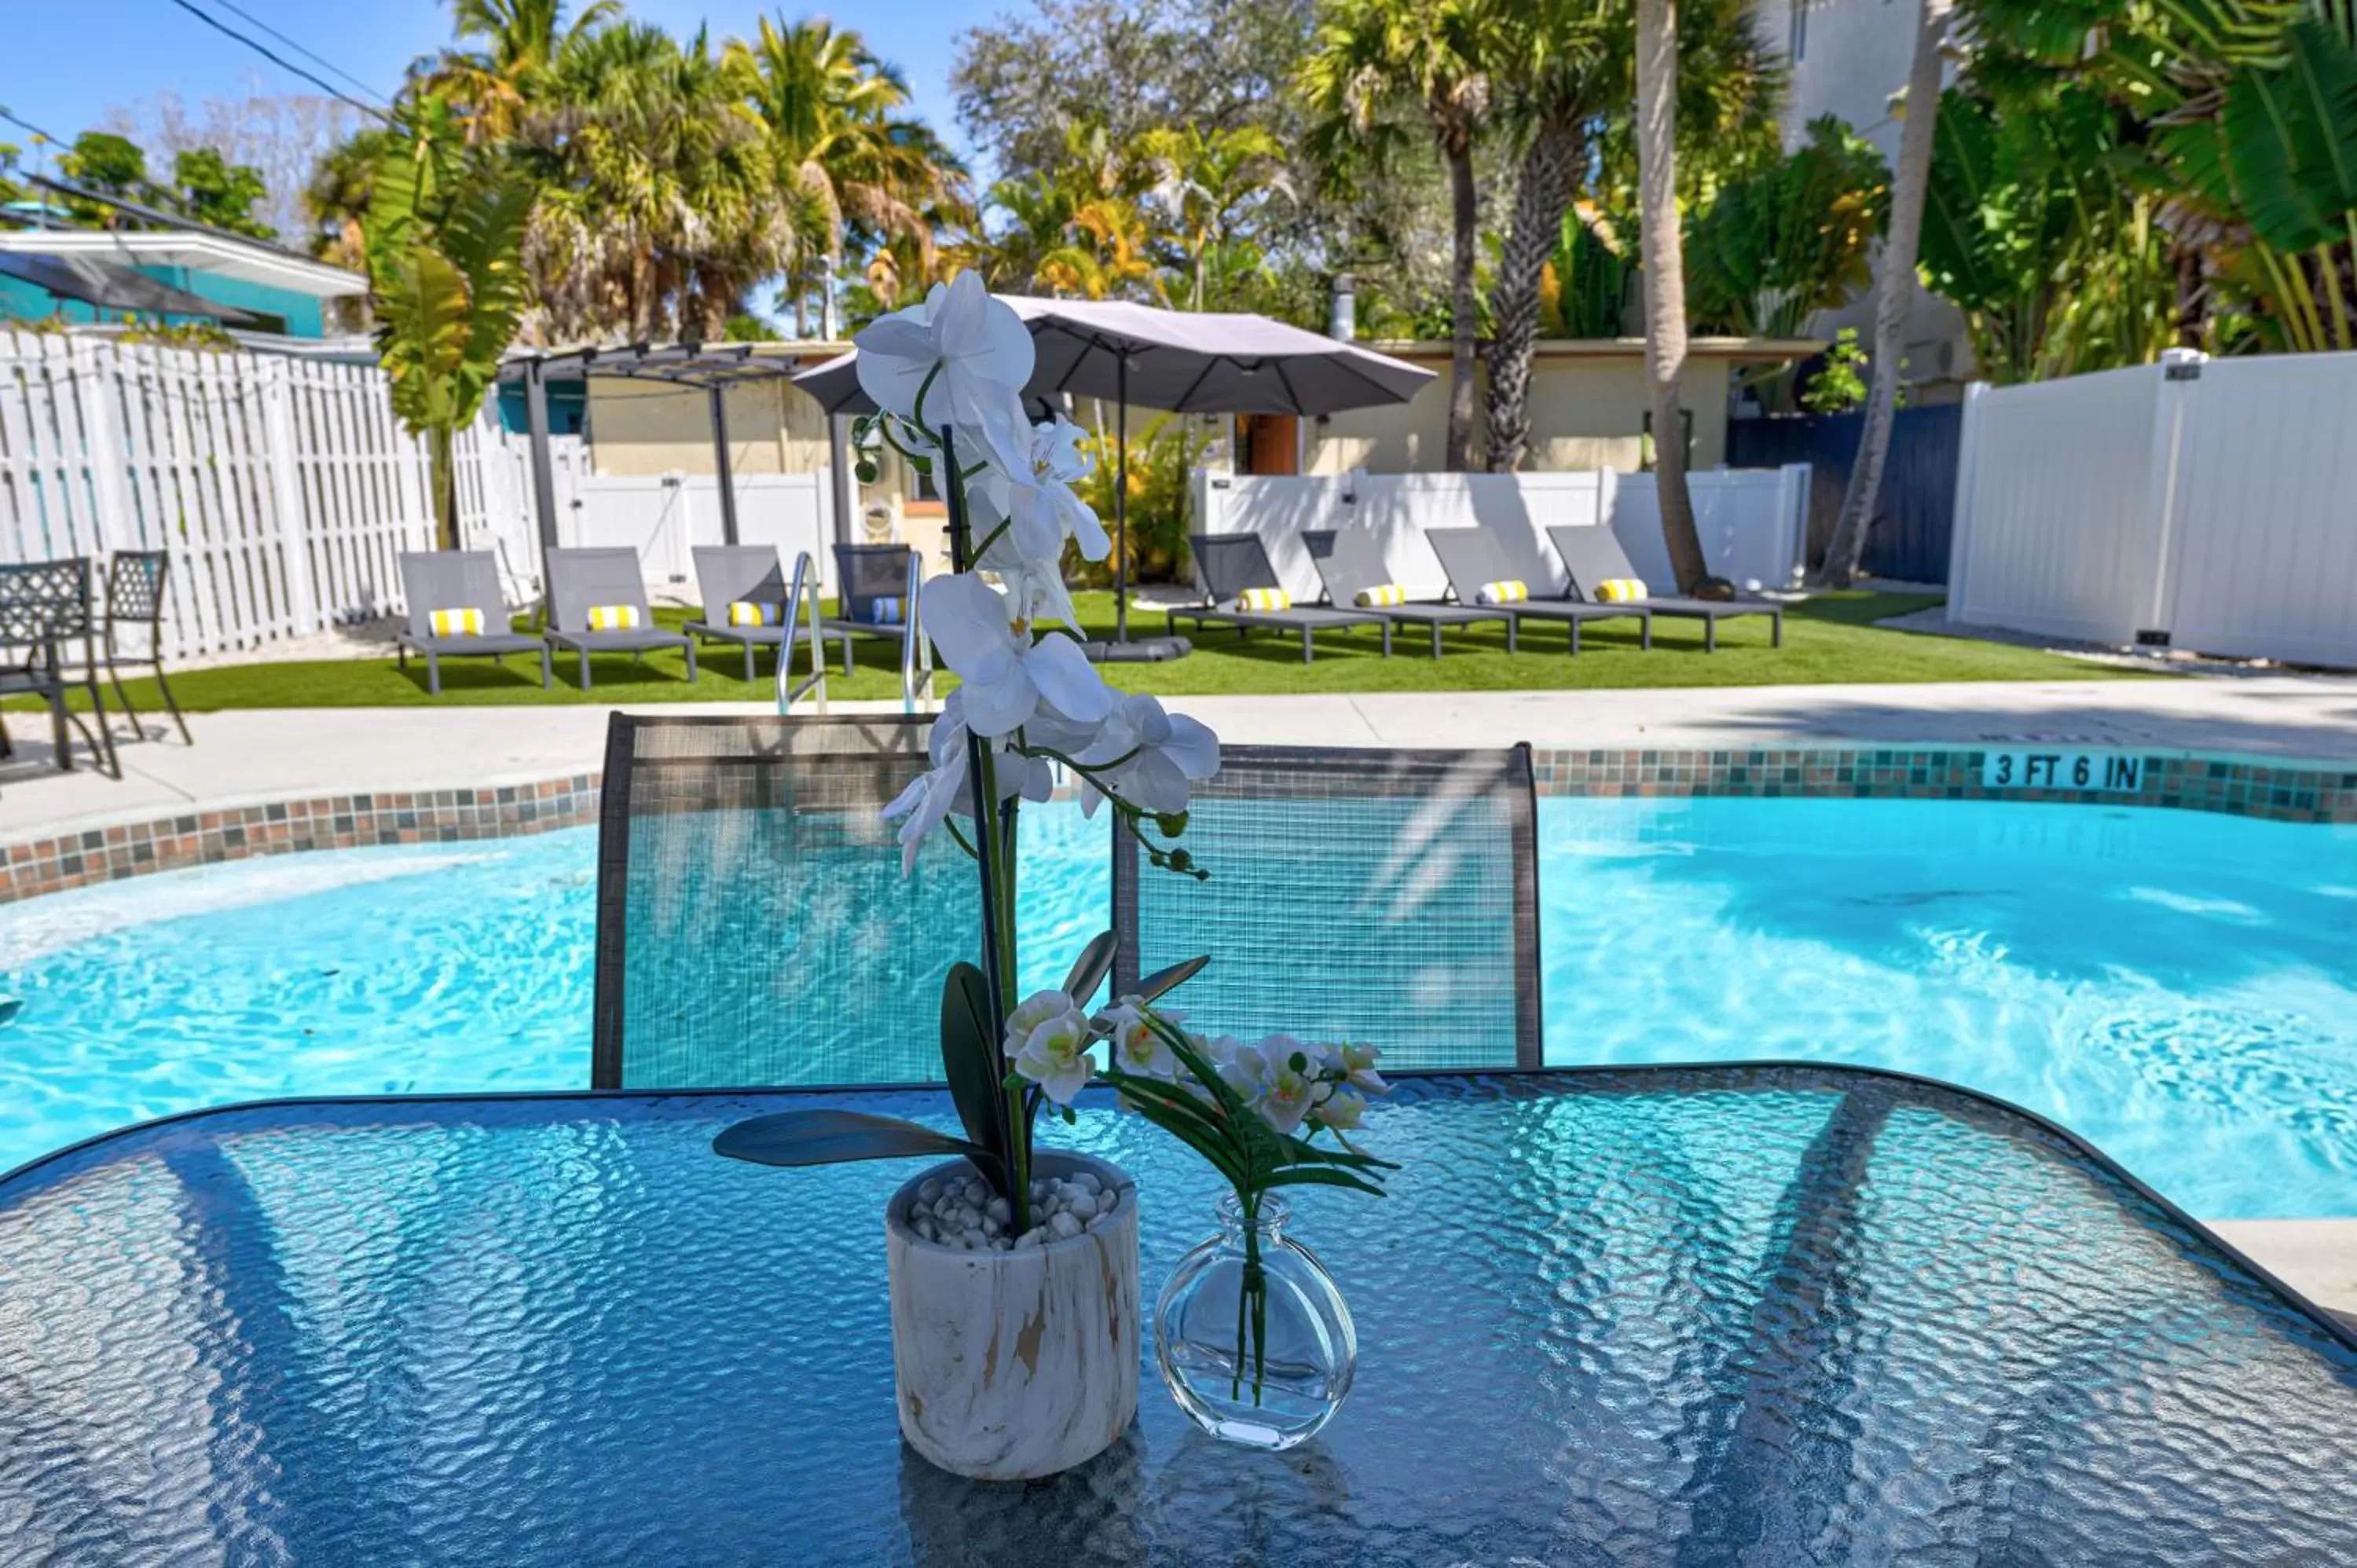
(1138, 1046)
(975, 352)
(1043, 512)
(1006, 675)
(1150, 757)
(948, 784)
(1053, 1047)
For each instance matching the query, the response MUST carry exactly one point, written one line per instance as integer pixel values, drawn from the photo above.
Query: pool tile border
(2287, 791)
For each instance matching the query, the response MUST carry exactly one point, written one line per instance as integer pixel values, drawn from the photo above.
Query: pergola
(713, 366)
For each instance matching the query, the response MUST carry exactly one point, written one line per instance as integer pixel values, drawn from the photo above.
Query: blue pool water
(2180, 988)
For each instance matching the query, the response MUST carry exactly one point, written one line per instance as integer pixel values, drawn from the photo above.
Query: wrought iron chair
(1379, 898)
(754, 928)
(135, 604)
(45, 605)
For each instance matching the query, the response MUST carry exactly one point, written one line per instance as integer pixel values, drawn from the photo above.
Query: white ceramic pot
(1014, 1365)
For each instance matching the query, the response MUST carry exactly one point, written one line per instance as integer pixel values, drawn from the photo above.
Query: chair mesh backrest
(726, 574)
(451, 580)
(753, 925)
(866, 572)
(134, 584)
(1385, 897)
(1470, 557)
(1347, 560)
(1592, 555)
(579, 579)
(44, 599)
(1228, 563)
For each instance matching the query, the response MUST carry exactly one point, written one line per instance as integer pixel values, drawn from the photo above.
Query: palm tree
(1210, 182)
(520, 39)
(1908, 182)
(1372, 58)
(1666, 293)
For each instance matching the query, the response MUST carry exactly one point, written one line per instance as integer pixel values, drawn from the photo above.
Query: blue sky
(66, 64)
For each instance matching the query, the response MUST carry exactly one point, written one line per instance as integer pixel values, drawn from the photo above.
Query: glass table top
(1770, 1315)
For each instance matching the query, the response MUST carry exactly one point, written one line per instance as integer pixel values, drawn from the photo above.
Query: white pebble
(1099, 1220)
(1082, 1206)
(925, 1228)
(928, 1190)
(975, 1192)
(989, 1227)
(1062, 1226)
(996, 1209)
(1087, 1183)
(1029, 1239)
(1109, 1200)
(1001, 1245)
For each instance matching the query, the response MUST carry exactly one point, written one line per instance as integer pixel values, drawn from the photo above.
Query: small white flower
(1043, 510)
(1138, 1046)
(1055, 1052)
(1004, 673)
(947, 786)
(1286, 1081)
(1342, 1111)
(1154, 757)
(978, 354)
(1358, 1062)
(1030, 1013)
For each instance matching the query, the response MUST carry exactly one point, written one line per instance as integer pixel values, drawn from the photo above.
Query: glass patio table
(1744, 1315)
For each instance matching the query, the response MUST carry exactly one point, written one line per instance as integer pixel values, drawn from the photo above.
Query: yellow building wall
(646, 428)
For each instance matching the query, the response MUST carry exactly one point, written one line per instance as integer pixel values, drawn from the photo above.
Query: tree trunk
(1665, 283)
(442, 478)
(1908, 182)
(1550, 174)
(1465, 320)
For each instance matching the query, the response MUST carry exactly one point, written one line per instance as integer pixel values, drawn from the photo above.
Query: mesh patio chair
(447, 580)
(1593, 556)
(44, 608)
(1350, 562)
(753, 925)
(1472, 558)
(730, 574)
(583, 580)
(1228, 565)
(1380, 897)
(869, 578)
(134, 610)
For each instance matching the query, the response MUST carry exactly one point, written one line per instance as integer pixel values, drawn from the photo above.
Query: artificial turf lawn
(1829, 640)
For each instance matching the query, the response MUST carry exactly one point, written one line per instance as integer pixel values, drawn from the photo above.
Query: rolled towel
(613, 617)
(1382, 596)
(1512, 591)
(1620, 591)
(884, 611)
(457, 623)
(754, 612)
(1264, 599)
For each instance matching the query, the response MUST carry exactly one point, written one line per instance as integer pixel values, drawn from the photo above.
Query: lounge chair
(1472, 558)
(582, 580)
(459, 583)
(1349, 563)
(1228, 565)
(1593, 556)
(729, 574)
(871, 584)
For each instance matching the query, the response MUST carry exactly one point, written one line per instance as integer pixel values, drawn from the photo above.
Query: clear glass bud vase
(1251, 1333)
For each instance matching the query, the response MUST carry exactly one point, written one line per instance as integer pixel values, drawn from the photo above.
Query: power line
(330, 66)
(283, 63)
(27, 124)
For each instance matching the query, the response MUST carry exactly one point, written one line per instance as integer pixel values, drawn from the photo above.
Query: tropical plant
(496, 86)
(1210, 184)
(211, 189)
(104, 165)
(1375, 60)
(1583, 288)
(1665, 293)
(1836, 386)
(1790, 238)
(1163, 455)
(446, 228)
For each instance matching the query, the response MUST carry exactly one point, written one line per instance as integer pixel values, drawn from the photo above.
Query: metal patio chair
(1369, 897)
(1230, 564)
(868, 577)
(1592, 554)
(754, 928)
(446, 580)
(1349, 563)
(583, 580)
(729, 574)
(134, 607)
(45, 608)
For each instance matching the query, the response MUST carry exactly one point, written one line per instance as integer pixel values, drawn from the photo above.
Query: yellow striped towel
(753, 612)
(1382, 596)
(613, 617)
(457, 623)
(1620, 590)
(1262, 599)
(1512, 591)
(883, 610)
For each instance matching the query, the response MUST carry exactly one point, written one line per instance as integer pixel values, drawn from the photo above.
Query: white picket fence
(1753, 521)
(283, 489)
(2206, 505)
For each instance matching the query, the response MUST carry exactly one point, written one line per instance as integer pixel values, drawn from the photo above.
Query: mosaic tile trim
(2275, 791)
(332, 822)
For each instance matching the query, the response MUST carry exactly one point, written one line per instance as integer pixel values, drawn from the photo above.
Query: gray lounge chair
(748, 574)
(864, 575)
(1228, 563)
(580, 579)
(458, 580)
(1348, 561)
(1472, 558)
(1593, 556)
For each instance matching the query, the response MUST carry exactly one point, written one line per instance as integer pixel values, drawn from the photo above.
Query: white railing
(281, 489)
(2203, 505)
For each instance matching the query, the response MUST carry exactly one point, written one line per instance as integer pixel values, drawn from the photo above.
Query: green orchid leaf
(1321, 1175)
(1090, 968)
(835, 1137)
(1308, 1153)
(1170, 979)
(972, 1062)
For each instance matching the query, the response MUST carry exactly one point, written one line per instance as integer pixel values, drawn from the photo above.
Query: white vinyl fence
(283, 489)
(1753, 522)
(2206, 505)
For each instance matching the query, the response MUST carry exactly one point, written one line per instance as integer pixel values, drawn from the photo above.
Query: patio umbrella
(1186, 362)
(109, 286)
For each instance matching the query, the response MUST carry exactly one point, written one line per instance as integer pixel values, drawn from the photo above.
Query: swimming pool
(2181, 988)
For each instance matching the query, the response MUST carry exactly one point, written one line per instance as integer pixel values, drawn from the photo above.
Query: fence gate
(1915, 514)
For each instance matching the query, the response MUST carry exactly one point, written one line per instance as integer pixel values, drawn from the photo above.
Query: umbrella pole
(1120, 504)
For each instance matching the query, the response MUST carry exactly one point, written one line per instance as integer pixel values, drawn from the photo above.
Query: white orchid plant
(947, 377)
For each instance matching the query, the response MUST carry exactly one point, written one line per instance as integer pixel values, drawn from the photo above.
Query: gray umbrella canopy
(112, 287)
(1188, 362)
